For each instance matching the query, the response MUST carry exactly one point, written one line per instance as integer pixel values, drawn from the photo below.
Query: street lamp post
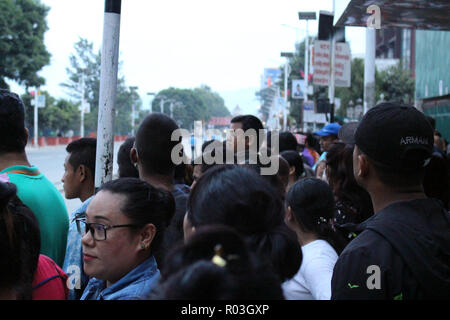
(306, 16)
(151, 94)
(287, 55)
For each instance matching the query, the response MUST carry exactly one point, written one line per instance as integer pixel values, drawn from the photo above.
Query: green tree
(196, 104)
(215, 105)
(22, 49)
(57, 116)
(193, 108)
(396, 84)
(85, 65)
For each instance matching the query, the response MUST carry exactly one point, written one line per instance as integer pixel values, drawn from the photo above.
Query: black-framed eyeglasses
(98, 230)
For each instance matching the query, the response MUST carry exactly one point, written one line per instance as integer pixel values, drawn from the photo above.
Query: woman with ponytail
(240, 198)
(310, 208)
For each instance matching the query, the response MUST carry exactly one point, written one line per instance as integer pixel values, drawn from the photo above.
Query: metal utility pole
(151, 94)
(306, 16)
(133, 107)
(36, 118)
(82, 107)
(108, 90)
(287, 55)
(162, 101)
(369, 70)
(331, 88)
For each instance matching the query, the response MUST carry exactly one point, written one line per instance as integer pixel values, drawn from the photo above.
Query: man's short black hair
(287, 141)
(83, 152)
(396, 179)
(250, 122)
(12, 123)
(154, 145)
(126, 167)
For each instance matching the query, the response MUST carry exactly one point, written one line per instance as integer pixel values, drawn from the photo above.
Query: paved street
(50, 161)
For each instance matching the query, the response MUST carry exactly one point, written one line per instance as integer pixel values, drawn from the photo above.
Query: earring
(143, 246)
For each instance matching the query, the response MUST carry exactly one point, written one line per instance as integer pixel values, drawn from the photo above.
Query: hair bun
(7, 192)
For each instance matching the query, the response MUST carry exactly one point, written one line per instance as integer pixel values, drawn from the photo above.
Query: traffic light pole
(108, 90)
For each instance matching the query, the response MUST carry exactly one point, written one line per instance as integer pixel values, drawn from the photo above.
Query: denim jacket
(73, 262)
(135, 285)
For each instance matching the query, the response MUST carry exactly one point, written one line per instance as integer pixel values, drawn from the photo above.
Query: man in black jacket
(403, 251)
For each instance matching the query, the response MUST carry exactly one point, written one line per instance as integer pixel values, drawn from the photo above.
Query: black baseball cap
(395, 136)
(347, 132)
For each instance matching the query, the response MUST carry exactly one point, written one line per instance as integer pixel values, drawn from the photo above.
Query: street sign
(287, 54)
(86, 107)
(322, 64)
(41, 101)
(307, 15)
(308, 105)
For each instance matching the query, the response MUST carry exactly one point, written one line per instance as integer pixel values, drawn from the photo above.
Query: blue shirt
(73, 262)
(135, 285)
(323, 157)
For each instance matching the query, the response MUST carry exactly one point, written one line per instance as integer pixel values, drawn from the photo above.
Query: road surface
(50, 161)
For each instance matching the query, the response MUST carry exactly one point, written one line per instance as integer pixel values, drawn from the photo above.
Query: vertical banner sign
(108, 90)
(321, 63)
(342, 64)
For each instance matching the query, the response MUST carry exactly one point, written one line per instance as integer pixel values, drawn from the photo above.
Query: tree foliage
(85, 65)
(196, 104)
(22, 49)
(58, 116)
(396, 84)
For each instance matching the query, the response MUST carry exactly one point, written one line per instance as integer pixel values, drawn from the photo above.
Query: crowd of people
(358, 211)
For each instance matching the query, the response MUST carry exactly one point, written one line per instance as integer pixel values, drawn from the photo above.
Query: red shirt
(49, 281)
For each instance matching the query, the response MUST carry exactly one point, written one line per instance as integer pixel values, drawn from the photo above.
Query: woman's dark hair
(287, 141)
(295, 160)
(190, 269)
(144, 204)
(313, 142)
(342, 181)
(20, 243)
(126, 168)
(212, 149)
(312, 203)
(238, 197)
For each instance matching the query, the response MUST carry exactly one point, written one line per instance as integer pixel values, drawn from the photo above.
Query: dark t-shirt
(174, 232)
(402, 252)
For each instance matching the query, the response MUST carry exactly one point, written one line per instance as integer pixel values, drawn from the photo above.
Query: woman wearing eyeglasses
(123, 229)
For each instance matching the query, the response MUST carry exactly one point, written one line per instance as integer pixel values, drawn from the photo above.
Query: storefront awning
(415, 14)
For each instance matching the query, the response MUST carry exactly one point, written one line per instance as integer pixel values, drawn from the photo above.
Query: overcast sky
(177, 43)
